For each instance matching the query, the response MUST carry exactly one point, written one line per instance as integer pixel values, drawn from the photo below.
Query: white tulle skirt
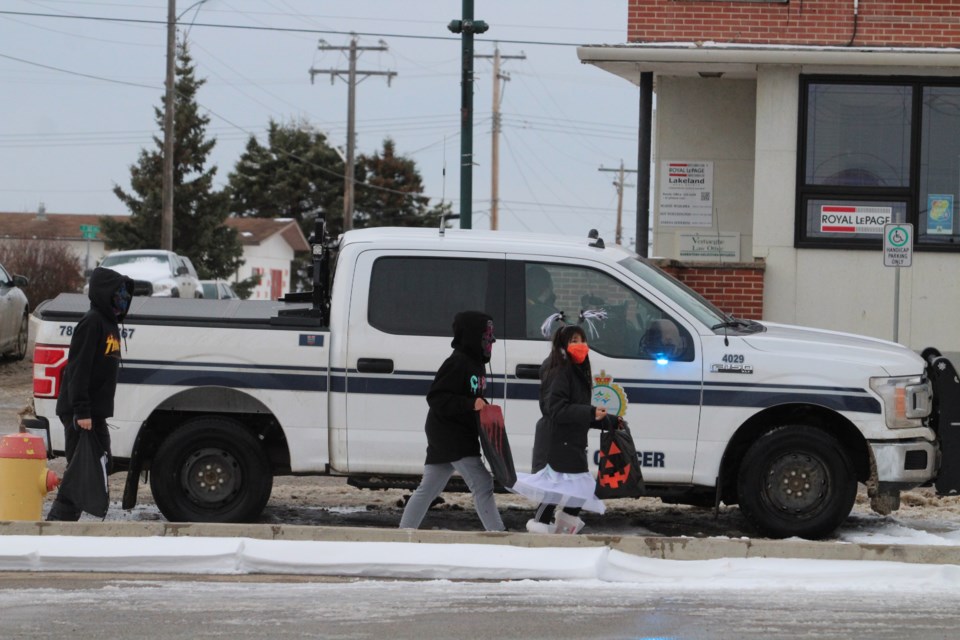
(563, 489)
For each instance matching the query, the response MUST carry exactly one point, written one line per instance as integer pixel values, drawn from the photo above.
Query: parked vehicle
(782, 420)
(218, 290)
(162, 274)
(14, 316)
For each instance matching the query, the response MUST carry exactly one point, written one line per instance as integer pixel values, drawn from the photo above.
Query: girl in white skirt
(565, 481)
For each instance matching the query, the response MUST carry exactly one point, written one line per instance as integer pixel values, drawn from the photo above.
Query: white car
(218, 290)
(156, 273)
(14, 316)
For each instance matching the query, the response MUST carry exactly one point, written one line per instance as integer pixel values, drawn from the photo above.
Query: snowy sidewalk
(458, 561)
(297, 549)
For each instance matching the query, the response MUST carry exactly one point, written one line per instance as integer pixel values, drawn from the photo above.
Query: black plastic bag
(496, 445)
(85, 480)
(619, 474)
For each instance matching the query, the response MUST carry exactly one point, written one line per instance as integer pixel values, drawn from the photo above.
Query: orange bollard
(24, 477)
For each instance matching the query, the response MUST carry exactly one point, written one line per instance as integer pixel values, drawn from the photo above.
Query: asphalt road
(57, 606)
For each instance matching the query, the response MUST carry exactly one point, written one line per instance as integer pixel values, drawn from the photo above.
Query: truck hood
(836, 346)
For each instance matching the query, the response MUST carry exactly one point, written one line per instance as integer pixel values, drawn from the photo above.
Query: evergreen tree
(389, 191)
(199, 211)
(297, 175)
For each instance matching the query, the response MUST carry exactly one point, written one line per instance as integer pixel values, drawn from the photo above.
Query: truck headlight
(906, 400)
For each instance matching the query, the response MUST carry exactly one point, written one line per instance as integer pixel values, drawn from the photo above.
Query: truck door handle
(374, 365)
(528, 371)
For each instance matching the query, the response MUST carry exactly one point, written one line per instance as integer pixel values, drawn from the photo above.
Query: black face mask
(121, 301)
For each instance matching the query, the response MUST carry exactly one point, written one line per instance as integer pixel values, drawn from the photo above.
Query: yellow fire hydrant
(24, 477)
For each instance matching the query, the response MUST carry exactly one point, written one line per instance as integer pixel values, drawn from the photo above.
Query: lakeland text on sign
(686, 194)
(854, 218)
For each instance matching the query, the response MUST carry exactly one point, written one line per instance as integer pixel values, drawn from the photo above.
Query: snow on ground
(398, 560)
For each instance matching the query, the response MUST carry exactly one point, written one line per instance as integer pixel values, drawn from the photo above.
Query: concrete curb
(641, 546)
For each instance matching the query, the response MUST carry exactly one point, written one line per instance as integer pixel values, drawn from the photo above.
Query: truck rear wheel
(796, 481)
(211, 470)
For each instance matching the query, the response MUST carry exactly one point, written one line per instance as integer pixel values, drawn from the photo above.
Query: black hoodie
(452, 421)
(90, 378)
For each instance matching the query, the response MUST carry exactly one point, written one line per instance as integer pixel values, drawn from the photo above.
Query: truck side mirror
(20, 281)
(182, 270)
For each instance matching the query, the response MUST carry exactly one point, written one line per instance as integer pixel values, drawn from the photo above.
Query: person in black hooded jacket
(561, 473)
(453, 445)
(90, 378)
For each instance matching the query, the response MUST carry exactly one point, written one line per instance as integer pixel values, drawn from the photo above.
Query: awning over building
(713, 59)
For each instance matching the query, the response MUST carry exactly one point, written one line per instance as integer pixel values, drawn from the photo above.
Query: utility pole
(619, 184)
(495, 143)
(166, 190)
(351, 79)
(467, 27)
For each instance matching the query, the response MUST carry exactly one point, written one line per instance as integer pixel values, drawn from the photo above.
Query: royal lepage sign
(854, 218)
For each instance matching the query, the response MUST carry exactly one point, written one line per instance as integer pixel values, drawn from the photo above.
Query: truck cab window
(632, 325)
(420, 296)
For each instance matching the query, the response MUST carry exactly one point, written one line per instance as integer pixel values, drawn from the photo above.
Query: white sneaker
(535, 526)
(566, 523)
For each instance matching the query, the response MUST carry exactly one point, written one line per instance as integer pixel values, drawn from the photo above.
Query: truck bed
(70, 307)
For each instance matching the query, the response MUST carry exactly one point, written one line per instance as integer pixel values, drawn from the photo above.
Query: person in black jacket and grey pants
(90, 378)
(453, 444)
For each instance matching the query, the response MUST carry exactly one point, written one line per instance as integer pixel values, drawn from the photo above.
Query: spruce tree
(389, 192)
(199, 211)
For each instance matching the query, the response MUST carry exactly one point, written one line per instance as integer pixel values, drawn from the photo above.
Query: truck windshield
(112, 261)
(685, 297)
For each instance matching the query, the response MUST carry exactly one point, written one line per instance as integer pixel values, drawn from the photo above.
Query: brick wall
(894, 23)
(735, 288)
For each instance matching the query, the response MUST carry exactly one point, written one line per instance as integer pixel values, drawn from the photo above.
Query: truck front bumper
(905, 462)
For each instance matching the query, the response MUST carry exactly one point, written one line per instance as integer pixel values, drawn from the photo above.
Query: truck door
(660, 385)
(400, 329)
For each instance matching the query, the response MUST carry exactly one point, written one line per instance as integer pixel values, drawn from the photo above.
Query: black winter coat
(570, 415)
(90, 378)
(543, 433)
(452, 421)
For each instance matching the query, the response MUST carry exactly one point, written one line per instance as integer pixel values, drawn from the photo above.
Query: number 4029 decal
(733, 358)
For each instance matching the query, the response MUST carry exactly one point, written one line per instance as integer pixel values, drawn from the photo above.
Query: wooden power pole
(495, 142)
(166, 189)
(350, 78)
(619, 184)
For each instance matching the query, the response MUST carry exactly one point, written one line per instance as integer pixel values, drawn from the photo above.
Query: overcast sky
(79, 96)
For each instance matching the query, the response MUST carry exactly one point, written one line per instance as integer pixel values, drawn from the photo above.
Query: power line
(212, 25)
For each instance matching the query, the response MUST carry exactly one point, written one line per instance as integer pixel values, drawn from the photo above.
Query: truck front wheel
(796, 481)
(211, 470)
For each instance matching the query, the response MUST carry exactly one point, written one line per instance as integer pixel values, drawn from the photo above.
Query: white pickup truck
(216, 397)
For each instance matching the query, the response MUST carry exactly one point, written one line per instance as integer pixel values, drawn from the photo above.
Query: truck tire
(211, 470)
(796, 481)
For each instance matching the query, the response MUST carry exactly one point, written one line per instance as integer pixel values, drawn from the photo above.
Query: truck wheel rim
(796, 484)
(211, 477)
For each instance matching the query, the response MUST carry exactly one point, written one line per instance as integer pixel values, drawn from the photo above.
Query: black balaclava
(470, 330)
(108, 290)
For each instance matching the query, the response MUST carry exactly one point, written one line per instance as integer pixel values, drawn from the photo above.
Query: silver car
(14, 316)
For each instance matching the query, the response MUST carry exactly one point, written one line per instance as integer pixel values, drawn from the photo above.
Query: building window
(874, 151)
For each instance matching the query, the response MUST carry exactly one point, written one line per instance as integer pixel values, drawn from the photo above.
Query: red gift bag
(496, 445)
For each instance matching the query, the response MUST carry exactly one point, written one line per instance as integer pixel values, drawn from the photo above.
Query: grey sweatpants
(435, 477)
